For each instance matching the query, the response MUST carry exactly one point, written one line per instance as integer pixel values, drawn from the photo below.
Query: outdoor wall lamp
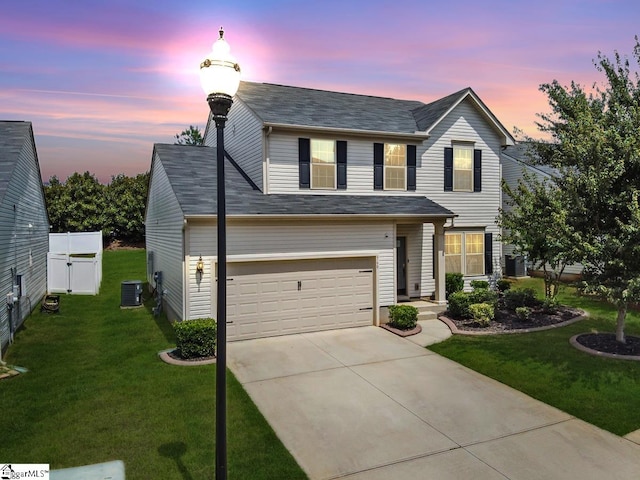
(200, 266)
(220, 79)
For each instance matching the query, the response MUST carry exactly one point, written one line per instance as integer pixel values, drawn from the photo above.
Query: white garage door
(266, 299)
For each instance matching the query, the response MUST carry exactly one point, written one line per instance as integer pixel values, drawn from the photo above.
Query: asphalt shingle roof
(280, 104)
(523, 153)
(13, 136)
(192, 174)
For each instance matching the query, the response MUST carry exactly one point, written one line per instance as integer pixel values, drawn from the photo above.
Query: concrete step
(427, 315)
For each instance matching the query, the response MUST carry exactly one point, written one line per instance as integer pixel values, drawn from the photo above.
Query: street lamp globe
(220, 77)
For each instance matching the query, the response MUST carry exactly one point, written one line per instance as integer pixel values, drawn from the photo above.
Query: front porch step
(426, 310)
(429, 315)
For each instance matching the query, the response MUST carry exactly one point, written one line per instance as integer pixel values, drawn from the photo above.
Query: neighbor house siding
(289, 240)
(243, 140)
(164, 237)
(23, 248)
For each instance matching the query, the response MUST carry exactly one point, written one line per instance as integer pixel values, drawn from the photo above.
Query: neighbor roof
(306, 107)
(523, 153)
(192, 174)
(13, 136)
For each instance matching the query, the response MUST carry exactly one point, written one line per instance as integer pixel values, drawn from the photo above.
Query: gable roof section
(281, 105)
(192, 173)
(430, 115)
(13, 136)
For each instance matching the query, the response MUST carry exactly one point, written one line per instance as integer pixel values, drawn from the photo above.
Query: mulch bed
(508, 322)
(607, 343)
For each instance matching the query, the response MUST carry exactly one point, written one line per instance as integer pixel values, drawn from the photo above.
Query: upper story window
(323, 164)
(395, 166)
(462, 168)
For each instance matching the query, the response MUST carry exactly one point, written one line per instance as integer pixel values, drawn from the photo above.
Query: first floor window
(395, 166)
(464, 253)
(323, 164)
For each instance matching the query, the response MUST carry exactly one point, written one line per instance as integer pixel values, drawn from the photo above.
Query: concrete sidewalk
(365, 404)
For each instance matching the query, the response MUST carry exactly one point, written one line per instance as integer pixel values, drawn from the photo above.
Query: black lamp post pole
(220, 105)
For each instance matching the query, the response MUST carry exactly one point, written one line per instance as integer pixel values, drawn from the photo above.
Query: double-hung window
(463, 168)
(323, 164)
(395, 166)
(464, 253)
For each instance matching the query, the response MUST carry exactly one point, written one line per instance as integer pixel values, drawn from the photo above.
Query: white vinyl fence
(74, 263)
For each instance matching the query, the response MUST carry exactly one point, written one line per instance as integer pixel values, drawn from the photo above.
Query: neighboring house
(516, 160)
(338, 205)
(24, 228)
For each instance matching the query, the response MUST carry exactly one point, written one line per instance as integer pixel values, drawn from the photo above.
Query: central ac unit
(131, 293)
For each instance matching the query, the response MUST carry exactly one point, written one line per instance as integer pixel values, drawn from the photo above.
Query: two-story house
(338, 205)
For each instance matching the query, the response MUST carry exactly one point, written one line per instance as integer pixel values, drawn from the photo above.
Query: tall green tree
(125, 206)
(536, 225)
(190, 136)
(596, 148)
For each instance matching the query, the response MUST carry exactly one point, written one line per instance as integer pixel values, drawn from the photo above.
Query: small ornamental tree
(536, 225)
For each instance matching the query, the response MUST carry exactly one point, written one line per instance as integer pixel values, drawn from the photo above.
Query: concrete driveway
(363, 403)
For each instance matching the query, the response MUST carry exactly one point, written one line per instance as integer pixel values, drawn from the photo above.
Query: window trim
(457, 146)
(396, 167)
(312, 164)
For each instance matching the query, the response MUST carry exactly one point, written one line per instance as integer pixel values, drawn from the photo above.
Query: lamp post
(220, 78)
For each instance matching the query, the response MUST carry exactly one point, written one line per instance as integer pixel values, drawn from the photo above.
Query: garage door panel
(277, 298)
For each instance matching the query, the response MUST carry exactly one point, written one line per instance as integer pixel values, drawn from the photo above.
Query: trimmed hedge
(503, 285)
(482, 313)
(479, 284)
(525, 297)
(196, 338)
(459, 303)
(403, 317)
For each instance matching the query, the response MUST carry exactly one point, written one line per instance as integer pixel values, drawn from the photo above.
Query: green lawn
(604, 392)
(97, 391)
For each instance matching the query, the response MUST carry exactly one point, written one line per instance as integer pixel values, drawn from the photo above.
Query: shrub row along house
(338, 205)
(24, 228)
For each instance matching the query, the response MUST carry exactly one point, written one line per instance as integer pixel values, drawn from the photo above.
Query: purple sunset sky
(103, 81)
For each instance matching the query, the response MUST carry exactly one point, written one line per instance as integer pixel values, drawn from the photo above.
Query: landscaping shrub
(523, 313)
(403, 317)
(483, 295)
(482, 313)
(459, 303)
(479, 284)
(525, 297)
(196, 338)
(454, 282)
(550, 305)
(503, 285)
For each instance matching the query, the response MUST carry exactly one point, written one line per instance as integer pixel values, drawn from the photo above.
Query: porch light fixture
(220, 79)
(200, 266)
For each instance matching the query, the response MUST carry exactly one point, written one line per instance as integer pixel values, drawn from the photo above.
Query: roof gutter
(417, 136)
(334, 216)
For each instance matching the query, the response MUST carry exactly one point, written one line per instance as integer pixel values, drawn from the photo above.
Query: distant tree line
(83, 204)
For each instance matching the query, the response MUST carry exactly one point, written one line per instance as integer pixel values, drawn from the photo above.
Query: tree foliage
(536, 225)
(595, 147)
(190, 136)
(83, 204)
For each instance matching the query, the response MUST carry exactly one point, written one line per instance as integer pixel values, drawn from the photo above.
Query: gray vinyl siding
(164, 237)
(283, 164)
(475, 210)
(299, 240)
(243, 140)
(21, 247)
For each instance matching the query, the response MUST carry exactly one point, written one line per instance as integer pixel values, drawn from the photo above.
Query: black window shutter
(488, 253)
(411, 167)
(378, 166)
(448, 169)
(477, 170)
(304, 162)
(341, 167)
